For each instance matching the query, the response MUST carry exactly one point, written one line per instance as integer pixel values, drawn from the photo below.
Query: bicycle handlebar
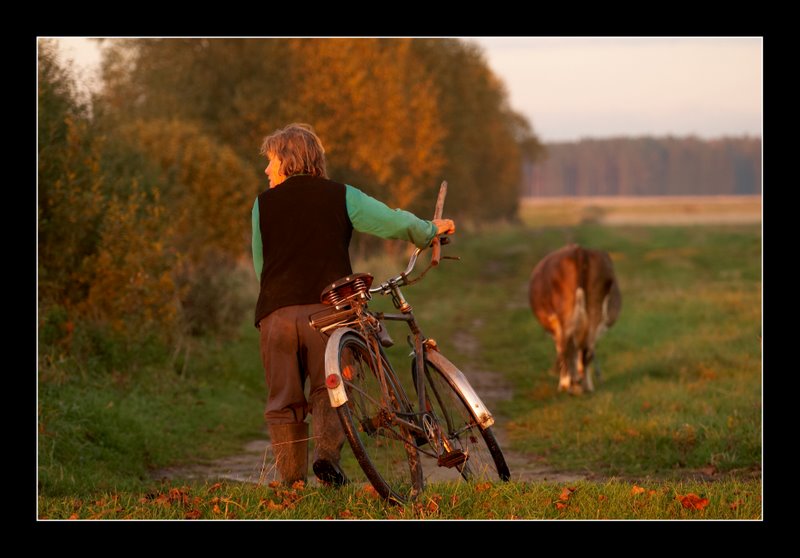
(435, 247)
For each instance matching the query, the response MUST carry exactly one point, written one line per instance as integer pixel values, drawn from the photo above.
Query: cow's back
(553, 285)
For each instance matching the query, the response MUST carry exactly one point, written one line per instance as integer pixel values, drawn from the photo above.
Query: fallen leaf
(162, 500)
(299, 484)
(193, 514)
(560, 505)
(601, 498)
(482, 486)
(735, 504)
(274, 484)
(176, 495)
(345, 513)
(216, 509)
(274, 506)
(73, 516)
(215, 486)
(432, 506)
(636, 490)
(564, 496)
(370, 492)
(693, 502)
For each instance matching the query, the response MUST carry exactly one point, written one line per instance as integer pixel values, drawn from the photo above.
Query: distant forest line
(646, 166)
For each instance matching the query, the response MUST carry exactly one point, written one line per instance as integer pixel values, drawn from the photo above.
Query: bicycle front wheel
(375, 421)
(460, 433)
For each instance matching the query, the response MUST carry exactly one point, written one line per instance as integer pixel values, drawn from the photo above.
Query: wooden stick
(437, 214)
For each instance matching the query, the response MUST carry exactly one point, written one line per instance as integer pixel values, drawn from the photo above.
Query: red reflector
(332, 381)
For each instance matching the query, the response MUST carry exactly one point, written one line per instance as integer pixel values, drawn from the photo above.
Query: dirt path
(256, 463)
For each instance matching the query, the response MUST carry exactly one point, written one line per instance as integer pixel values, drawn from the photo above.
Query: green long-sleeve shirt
(367, 215)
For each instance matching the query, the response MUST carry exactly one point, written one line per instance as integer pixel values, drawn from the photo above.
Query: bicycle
(448, 426)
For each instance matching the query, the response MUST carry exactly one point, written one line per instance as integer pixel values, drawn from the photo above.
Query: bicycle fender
(337, 394)
(462, 385)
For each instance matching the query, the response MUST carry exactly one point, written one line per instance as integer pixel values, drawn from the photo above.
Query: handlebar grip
(437, 214)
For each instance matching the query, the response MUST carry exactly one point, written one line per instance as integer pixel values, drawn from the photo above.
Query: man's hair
(299, 150)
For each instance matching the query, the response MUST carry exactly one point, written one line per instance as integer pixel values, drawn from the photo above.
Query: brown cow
(575, 296)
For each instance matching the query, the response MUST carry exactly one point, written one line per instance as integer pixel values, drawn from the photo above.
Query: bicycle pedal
(452, 458)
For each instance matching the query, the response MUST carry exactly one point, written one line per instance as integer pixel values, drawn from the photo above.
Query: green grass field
(673, 431)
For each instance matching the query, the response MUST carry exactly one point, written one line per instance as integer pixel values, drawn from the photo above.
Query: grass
(681, 385)
(108, 431)
(680, 394)
(737, 500)
(647, 210)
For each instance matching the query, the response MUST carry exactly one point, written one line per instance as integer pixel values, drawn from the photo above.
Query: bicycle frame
(423, 348)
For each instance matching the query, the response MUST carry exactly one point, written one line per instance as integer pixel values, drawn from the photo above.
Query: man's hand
(444, 226)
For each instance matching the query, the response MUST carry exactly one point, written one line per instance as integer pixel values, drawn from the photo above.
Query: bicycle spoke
(471, 453)
(374, 423)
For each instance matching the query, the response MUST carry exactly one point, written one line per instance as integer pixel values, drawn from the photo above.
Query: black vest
(305, 234)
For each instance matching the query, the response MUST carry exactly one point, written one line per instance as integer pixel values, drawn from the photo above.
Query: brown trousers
(291, 351)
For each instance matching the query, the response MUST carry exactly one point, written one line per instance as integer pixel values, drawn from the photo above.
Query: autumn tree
(648, 166)
(97, 266)
(207, 192)
(397, 116)
(486, 139)
(70, 201)
(376, 109)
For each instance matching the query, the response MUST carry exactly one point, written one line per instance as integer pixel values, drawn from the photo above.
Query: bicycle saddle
(347, 288)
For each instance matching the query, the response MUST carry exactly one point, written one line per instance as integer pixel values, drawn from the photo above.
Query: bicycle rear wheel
(382, 444)
(461, 432)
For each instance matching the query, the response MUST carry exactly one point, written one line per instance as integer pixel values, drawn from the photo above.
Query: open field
(673, 431)
(649, 210)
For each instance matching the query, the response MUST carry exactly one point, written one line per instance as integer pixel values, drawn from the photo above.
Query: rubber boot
(328, 440)
(290, 447)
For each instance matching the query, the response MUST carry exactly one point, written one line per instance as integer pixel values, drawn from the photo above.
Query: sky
(572, 88)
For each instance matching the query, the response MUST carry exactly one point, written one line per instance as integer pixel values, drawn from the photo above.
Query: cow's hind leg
(592, 370)
(564, 383)
(588, 382)
(562, 365)
(565, 378)
(577, 372)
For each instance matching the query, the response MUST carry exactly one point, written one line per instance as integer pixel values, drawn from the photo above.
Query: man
(302, 225)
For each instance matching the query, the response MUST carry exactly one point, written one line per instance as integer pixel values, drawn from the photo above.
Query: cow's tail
(580, 317)
(579, 323)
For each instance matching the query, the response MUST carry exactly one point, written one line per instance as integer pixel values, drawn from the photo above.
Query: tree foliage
(397, 116)
(101, 257)
(648, 166)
